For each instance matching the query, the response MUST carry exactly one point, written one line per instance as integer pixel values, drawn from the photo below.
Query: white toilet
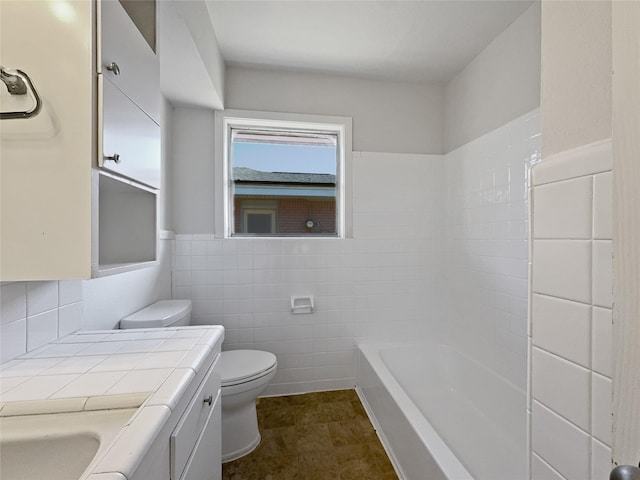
(244, 374)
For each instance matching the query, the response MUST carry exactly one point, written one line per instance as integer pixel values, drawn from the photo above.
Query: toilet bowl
(245, 374)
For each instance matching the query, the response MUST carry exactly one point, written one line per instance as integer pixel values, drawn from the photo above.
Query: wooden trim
(626, 237)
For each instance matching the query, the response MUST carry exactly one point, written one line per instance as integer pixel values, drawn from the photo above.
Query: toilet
(244, 376)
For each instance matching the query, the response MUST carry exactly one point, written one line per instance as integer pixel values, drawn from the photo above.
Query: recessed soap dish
(302, 304)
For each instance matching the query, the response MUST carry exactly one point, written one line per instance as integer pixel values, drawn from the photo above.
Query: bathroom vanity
(161, 387)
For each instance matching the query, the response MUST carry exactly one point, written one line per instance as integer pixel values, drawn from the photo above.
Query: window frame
(226, 120)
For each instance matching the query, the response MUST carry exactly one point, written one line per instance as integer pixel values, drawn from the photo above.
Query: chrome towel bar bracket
(19, 83)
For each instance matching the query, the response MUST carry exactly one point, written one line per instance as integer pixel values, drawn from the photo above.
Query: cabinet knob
(209, 400)
(115, 157)
(113, 67)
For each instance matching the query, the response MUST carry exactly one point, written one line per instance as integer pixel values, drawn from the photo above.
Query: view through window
(283, 182)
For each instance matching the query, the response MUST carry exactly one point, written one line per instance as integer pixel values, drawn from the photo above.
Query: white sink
(57, 446)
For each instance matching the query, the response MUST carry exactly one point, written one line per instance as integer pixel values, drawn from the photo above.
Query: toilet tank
(165, 313)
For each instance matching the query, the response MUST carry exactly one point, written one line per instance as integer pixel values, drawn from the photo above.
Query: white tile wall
(439, 247)
(563, 209)
(573, 280)
(562, 327)
(484, 247)
(42, 328)
(600, 459)
(602, 273)
(602, 356)
(35, 313)
(571, 315)
(602, 205)
(540, 470)
(562, 386)
(564, 447)
(377, 285)
(601, 408)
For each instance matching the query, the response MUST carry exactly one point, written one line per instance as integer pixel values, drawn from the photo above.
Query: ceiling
(400, 40)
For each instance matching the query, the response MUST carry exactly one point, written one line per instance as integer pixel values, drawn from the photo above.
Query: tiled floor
(316, 436)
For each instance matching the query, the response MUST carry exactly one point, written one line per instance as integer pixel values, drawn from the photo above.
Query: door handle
(114, 158)
(625, 472)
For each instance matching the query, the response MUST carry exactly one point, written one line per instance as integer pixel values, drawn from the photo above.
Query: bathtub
(441, 414)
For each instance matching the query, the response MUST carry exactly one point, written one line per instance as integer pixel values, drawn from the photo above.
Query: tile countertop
(148, 369)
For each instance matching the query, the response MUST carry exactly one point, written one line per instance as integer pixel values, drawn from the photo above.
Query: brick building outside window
(283, 203)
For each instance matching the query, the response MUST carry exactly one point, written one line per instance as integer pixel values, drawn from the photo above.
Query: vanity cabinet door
(127, 54)
(205, 462)
(196, 442)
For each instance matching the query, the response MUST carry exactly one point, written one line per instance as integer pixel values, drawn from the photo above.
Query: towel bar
(19, 83)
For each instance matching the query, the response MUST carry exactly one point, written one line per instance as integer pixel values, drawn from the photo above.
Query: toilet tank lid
(160, 314)
(236, 365)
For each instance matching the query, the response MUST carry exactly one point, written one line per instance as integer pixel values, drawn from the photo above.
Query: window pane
(258, 223)
(292, 173)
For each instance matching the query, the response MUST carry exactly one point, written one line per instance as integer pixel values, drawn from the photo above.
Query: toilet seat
(243, 366)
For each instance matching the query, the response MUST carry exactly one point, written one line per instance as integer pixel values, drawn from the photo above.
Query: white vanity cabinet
(195, 444)
(205, 462)
(62, 215)
(189, 447)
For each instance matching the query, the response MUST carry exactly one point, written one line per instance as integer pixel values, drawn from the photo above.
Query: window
(259, 221)
(283, 177)
(256, 217)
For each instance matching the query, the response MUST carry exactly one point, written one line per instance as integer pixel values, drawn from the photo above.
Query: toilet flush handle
(209, 400)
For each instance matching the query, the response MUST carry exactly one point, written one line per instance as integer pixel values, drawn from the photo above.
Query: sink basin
(59, 446)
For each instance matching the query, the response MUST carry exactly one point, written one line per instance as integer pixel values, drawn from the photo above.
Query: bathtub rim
(450, 465)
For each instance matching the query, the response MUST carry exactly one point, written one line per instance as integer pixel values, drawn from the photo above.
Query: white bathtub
(441, 414)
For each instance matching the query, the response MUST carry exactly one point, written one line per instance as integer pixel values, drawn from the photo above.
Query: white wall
(191, 64)
(108, 299)
(193, 179)
(499, 85)
(387, 116)
(576, 74)
(165, 205)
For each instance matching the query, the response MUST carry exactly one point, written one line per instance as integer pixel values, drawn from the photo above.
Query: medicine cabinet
(79, 180)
